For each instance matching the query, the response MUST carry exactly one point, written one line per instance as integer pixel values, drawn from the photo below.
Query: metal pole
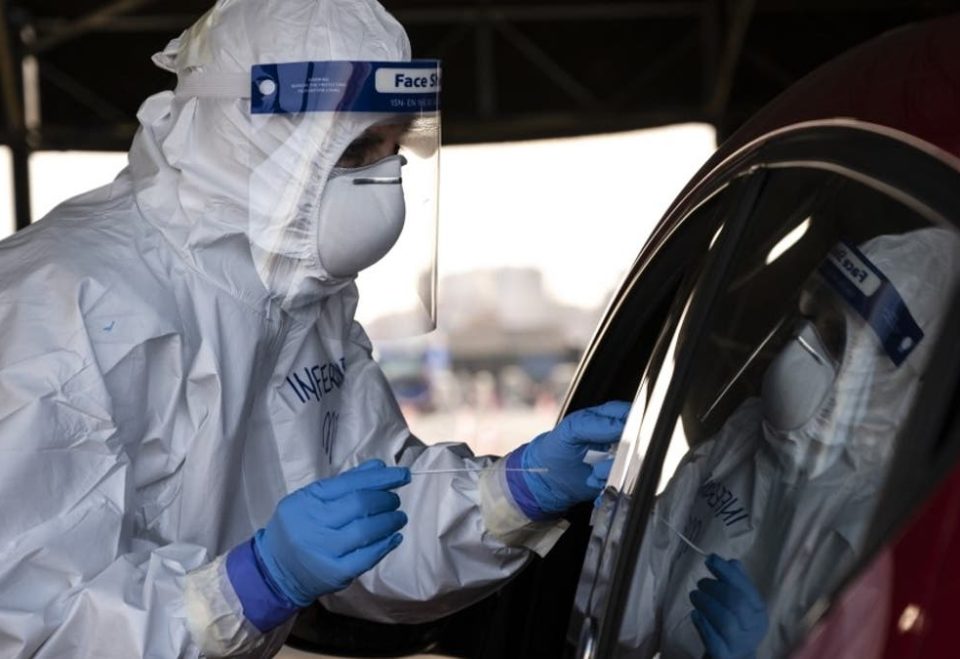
(486, 70)
(115, 19)
(11, 72)
(547, 65)
(8, 75)
(20, 153)
(729, 58)
(710, 53)
(519, 13)
(88, 23)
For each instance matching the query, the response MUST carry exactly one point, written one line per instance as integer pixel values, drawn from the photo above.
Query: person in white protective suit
(780, 497)
(194, 439)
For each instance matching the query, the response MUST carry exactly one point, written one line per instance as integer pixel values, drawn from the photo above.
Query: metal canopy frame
(88, 23)
(487, 31)
(11, 66)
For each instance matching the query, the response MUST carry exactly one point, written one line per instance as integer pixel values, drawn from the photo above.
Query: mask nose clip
(378, 180)
(381, 180)
(810, 349)
(798, 381)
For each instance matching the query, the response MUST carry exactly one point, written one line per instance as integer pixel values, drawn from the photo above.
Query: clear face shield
(344, 180)
(848, 322)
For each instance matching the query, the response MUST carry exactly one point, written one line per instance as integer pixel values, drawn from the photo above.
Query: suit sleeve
(76, 577)
(465, 536)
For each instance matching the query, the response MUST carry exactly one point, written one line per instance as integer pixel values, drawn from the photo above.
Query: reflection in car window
(802, 379)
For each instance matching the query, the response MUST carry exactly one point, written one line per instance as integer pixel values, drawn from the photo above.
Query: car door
(719, 456)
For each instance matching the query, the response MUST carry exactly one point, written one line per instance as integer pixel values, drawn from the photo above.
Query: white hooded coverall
(157, 398)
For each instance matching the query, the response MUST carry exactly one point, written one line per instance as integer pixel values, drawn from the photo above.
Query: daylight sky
(578, 209)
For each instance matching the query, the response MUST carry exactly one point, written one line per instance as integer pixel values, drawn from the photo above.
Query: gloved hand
(600, 472)
(567, 479)
(729, 614)
(599, 477)
(325, 535)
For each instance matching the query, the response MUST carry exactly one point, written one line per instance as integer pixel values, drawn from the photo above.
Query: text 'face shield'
(344, 174)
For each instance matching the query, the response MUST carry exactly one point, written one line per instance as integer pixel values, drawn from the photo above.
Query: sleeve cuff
(214, 613)
(519, 490)
(506, 518)
(263, 605)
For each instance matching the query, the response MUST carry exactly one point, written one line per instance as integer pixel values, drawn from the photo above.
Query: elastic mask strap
(213, 85)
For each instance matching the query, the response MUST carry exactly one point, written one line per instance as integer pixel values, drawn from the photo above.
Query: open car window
(624, 352)
(785, 400)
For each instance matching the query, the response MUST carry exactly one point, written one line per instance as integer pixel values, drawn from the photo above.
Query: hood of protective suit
(236, 196)
(870, 396)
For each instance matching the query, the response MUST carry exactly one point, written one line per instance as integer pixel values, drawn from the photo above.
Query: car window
(625, 347)
(795, 383)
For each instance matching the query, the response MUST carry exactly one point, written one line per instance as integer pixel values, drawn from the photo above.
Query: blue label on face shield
(866, 289)
(342, 86)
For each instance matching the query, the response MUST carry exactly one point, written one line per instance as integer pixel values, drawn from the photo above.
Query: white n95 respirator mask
(315, 226)
(798, 380)
(361, 216)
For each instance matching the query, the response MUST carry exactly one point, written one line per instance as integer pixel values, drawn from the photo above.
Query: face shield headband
(868, 292)
(327, 140)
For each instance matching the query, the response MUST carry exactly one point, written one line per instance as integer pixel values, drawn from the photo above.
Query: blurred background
(568, 128)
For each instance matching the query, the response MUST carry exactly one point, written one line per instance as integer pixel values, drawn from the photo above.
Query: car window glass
(801, 379)
(661, 286)
(702, 228)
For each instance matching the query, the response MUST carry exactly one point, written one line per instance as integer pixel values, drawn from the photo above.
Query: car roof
(907, 80)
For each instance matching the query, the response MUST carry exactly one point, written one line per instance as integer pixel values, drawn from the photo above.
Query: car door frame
(843, 146)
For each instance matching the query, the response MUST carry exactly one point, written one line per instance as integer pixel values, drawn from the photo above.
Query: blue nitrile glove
(599, 477)
(600, 472)
(320, 538)
(729, 614)
(567, 479)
